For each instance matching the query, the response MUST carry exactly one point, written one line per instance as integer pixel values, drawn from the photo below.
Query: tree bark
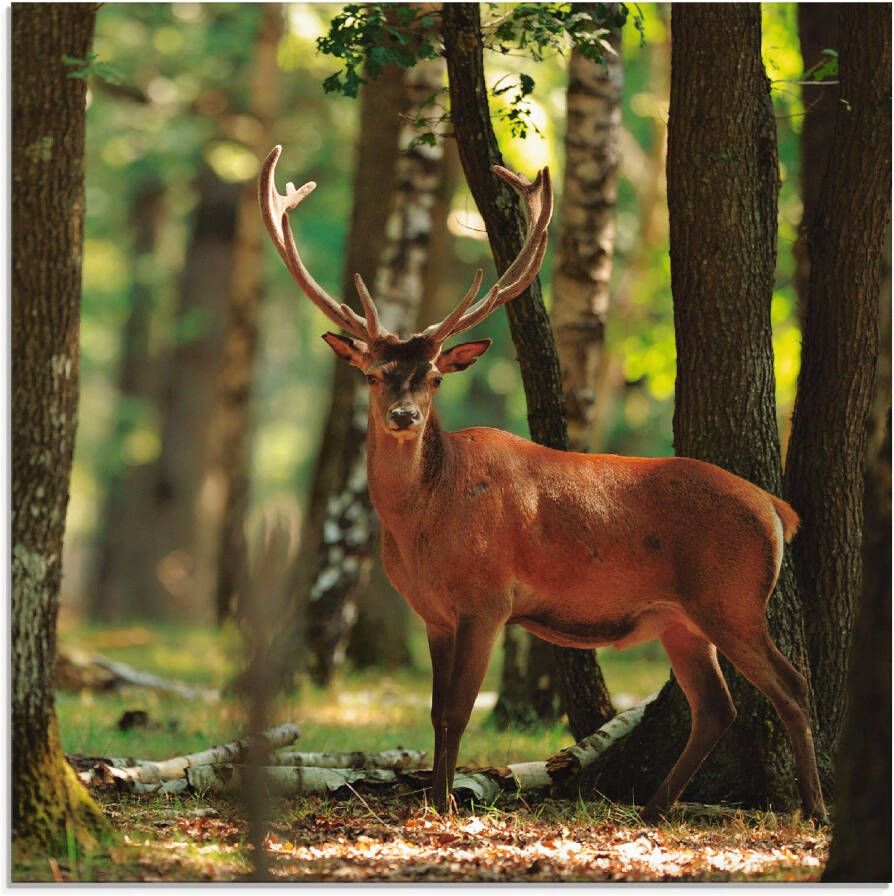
(229, 473)
(172, 580)
(586, 244)
(580, 304)
(129, 493)
(861, 845)
(824, 469)
(722, 189)
(500, 208)
(818, 31)
(351, 527)
(48, 217)
(376, 156)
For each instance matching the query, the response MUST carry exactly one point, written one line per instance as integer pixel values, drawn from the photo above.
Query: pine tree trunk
(351, 527)
(818, 31)
(229, 472)
(824, 469)
(129, 494)
(861, 845)
(48, 218)
(504, 220)
(722, 189)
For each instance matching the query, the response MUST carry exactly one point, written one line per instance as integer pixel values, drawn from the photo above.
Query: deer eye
(372, 380)
(436, 381)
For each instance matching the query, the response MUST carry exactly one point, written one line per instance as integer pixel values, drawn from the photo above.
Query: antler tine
(373, 324)
(538, 199)
(275, 208)
(441, 331)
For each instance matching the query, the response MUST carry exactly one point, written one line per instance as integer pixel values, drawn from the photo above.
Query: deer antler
(538, 198)
(275, 210)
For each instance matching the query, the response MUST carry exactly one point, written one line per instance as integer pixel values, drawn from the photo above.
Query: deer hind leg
(473, 641)
(694, 662)
(761, 662)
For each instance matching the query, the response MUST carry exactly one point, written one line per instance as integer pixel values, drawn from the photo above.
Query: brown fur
(481, 528)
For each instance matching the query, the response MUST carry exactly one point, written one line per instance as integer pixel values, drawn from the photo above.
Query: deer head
(404, 374)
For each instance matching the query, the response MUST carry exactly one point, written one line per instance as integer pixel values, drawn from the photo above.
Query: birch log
(151, 772)
(569, 761)
(396, 760)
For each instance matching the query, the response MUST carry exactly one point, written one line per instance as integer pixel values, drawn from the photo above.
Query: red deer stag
(481, 528)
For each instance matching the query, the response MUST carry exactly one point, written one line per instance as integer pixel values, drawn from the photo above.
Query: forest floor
(369, 836)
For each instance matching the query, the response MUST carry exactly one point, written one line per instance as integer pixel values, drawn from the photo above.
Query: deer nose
(403, 417)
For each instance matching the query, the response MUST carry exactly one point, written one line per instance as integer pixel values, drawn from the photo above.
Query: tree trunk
(129, 494)
(504, 220)
(351, 527)
(48, 218)
(861, 846)
(722, 188)
(172, 581)
(580, 304)
(824, 470)
(586, 245)
(376, 155)
(229, 473)
(818, 31)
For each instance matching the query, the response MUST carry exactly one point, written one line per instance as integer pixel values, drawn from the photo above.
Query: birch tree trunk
(351, 527)
(48, 122)
(824, 469)
(581, 292)
(722, 189)
(376, 156)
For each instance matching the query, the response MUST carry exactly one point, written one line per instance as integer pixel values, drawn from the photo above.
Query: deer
(481, 528)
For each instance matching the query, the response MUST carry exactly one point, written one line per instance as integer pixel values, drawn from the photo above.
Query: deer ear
(461, 356)
(351, 350)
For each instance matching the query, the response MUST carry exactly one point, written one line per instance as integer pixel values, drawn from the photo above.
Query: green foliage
(367, 37)
(370, 36)
(91, 66)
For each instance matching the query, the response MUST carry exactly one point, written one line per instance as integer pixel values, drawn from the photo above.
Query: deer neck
(402, 473)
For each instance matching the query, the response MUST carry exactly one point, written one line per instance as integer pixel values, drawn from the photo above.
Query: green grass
(368, 711)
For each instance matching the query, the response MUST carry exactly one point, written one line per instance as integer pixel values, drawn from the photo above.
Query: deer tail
(787, 516)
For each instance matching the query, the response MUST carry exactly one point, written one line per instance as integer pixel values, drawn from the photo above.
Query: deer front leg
(473, 641)
(440, 647)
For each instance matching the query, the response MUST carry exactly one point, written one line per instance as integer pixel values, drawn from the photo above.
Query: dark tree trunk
(504, 220)
(861, 845)
(129, 494)
(824, 469)
(722, 188)
(344, 433)
(818, 31)
(173, 580)
(48, 219)
(229, 473)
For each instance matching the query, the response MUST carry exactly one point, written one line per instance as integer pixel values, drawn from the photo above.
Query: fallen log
(141, 771)
(291, 773)
(569, 761)
(396, 760)
(77, 670)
